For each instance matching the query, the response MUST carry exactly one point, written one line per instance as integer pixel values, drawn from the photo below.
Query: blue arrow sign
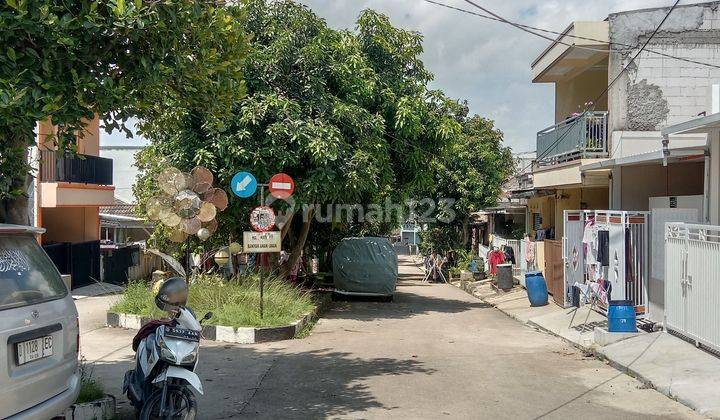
(244, 184)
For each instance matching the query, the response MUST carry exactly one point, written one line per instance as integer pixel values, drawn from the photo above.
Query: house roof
(120, 208)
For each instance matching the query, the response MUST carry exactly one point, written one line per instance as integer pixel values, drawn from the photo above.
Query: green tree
(348, 114)
(471, 173)
(66, 61)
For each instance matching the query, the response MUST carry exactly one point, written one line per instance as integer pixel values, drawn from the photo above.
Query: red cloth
(150, 328)
(496, 257)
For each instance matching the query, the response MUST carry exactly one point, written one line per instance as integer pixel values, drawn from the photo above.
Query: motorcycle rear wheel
(181, 400)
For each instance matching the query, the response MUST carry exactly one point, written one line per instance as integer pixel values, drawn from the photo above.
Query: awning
(504, 208)
(698, 125)
(657, 156)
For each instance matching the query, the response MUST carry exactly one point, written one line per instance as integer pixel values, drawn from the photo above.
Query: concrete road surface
(435, 352)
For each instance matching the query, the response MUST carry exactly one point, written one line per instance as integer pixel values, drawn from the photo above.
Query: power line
(561, 34)
(607, 89)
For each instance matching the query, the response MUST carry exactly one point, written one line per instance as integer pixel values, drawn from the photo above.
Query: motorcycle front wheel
(180, 401)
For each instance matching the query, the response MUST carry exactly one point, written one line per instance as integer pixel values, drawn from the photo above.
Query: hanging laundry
(529, 250)
(495, 258)
(509, 254)
(603, 252)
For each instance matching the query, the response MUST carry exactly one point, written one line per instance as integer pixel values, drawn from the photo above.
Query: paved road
(435, 352)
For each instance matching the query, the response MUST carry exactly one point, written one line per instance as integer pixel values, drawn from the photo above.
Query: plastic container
(621, 317)
(536, 288)
(504, 277)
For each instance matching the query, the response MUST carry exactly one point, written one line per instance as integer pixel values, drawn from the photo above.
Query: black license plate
(182, 334)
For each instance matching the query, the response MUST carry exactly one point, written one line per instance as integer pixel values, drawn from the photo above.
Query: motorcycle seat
(150, 328)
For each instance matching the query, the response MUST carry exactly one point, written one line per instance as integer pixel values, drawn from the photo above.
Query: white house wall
(124, 170)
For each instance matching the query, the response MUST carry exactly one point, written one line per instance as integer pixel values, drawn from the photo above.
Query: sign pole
(262, 256)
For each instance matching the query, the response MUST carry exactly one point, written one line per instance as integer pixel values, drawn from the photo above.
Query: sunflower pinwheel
(188, 204)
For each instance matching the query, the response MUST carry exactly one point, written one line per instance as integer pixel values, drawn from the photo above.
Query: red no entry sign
(281, 186)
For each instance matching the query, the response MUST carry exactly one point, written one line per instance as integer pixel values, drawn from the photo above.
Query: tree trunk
(15, 209)
(465, 233)
(298, 246)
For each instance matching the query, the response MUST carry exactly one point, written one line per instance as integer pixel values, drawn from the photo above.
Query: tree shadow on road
(404, 305)
(323, 383)
(246, 381)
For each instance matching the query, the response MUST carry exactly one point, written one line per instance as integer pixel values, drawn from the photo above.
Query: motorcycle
(160, 382)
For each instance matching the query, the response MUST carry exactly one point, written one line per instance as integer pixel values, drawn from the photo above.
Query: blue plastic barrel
(621, 316)
(536, 288)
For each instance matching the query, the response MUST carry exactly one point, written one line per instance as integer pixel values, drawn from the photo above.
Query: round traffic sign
(262, 218)
(281, 186)
(243, 184)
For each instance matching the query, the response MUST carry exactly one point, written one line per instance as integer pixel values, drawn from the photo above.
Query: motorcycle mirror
(207, 316)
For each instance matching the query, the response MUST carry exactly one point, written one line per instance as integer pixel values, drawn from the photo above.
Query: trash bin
(536, 288)
(505, 277)
(621, 316)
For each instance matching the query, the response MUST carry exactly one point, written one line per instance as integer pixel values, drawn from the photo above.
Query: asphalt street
(434, 352)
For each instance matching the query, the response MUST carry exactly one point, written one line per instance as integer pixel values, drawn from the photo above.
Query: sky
(485, 62)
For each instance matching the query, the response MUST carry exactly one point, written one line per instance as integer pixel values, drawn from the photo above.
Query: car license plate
(34, 349)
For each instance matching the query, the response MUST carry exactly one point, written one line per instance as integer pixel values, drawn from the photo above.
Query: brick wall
(657, 91)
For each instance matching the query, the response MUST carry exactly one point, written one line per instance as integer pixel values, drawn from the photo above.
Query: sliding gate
(626, 273)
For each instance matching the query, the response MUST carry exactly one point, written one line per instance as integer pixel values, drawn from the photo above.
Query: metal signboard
(262, 218)
(244, 184)
(259, 242)
(281, 186)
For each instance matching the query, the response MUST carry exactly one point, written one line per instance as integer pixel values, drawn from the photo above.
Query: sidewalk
(674, 367)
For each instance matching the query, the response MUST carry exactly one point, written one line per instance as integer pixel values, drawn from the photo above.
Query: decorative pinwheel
(189, 203)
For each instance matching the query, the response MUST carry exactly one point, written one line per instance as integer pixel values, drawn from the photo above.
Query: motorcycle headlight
(165, 353)
(190, 357)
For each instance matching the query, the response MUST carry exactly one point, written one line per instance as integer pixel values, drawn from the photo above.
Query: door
(554, 271)
(573, 252)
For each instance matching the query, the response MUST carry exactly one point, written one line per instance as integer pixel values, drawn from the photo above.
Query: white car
(39, 330)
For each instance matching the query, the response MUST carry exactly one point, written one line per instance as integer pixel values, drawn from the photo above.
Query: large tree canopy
(347, 114)
(67, 61)
(471, 174)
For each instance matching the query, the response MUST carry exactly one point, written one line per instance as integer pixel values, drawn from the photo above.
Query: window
(27, 276)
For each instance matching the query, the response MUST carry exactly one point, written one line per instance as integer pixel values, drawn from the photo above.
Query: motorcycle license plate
(182, 334)
(34, 349)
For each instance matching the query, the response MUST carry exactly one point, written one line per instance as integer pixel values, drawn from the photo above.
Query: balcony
(75, 180)
(581, 137)
(85, 169)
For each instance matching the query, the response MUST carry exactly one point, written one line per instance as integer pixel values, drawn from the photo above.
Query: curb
(103, 408)
(238, 335)
(597, 353)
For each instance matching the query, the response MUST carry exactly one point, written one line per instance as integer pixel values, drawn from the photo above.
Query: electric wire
(530, 29)
(607, 89)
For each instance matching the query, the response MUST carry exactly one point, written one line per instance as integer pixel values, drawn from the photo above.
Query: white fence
(500, 243)
(692, 282)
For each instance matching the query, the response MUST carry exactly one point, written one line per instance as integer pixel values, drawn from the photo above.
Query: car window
(27, 275)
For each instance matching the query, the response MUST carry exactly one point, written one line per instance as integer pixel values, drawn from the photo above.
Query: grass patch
(234, 303)
(90, 388)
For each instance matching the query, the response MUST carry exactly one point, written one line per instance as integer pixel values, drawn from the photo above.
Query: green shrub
(234, 302)
(90, 388)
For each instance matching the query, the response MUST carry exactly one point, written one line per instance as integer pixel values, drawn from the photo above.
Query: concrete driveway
(435, 352)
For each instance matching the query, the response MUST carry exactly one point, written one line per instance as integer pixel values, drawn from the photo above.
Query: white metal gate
(692, 282)
(627, 271)
(573, 251)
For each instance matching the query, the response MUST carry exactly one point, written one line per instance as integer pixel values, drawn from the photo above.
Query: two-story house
(69, 190)
(605, 149)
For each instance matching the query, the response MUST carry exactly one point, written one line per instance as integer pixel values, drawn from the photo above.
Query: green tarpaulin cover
(365, 265)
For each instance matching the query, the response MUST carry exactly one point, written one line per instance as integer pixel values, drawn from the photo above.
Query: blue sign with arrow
(244, 184)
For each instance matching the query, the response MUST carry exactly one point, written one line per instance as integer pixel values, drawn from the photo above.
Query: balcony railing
(86, 169)
(580, 137)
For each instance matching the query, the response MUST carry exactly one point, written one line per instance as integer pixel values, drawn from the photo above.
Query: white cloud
(486, 62)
